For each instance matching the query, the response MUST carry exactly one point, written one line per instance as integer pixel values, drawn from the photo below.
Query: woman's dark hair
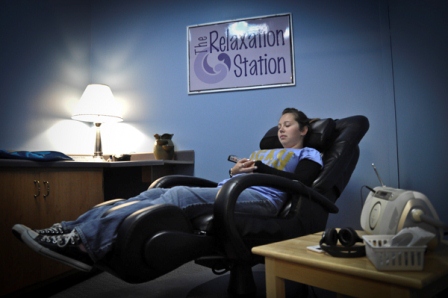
(299, 116)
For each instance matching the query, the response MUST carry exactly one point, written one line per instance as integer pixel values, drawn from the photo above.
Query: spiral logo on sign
(208, 74)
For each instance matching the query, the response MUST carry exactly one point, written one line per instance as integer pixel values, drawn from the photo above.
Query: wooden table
(357, 277)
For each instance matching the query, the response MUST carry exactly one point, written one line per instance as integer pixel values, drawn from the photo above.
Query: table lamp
(97, 105)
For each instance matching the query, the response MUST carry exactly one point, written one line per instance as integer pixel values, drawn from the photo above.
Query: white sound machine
(387, 210)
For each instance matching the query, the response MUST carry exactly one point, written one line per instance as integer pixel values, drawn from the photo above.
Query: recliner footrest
(167, 227)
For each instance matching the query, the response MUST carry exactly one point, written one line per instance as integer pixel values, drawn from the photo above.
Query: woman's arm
(305, 172)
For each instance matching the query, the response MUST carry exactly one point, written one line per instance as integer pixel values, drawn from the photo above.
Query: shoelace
(54, 229)
(62, 240)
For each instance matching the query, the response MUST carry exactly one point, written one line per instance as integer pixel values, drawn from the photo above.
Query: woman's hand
(244, 165)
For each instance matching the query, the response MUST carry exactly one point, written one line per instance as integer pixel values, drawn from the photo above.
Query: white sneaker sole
(28, 236)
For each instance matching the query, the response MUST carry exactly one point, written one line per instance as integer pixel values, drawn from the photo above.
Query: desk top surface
(89, 164)
(295, 251)
(137, 160)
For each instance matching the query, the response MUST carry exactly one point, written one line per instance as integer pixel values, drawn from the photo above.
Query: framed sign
(241, 54)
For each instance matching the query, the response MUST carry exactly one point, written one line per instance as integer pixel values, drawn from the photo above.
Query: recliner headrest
(319, 135)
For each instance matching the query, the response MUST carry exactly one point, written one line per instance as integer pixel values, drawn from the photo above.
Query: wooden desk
(38, 194)
(354, 277)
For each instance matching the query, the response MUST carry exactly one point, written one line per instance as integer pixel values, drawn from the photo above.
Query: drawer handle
(37, 186)
(47, 186)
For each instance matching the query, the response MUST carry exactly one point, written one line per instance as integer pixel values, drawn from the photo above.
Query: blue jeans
(98, 233)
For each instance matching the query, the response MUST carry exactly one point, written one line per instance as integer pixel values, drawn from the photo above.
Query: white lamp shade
(97, 105)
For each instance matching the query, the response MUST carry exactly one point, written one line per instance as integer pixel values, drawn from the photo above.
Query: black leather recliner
(156, 240)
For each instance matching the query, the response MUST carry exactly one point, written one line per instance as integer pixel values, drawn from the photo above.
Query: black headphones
(348, 238)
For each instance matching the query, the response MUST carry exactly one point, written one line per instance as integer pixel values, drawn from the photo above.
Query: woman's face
(289, 132)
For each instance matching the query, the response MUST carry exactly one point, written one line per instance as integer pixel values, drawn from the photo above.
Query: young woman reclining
(86, 240)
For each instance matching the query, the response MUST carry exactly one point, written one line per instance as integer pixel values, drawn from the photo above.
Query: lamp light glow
(97, 105)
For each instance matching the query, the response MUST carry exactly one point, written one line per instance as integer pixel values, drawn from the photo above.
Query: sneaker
(55, 229)
(63, 248)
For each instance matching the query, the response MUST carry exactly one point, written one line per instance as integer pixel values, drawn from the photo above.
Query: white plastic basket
(399, 258)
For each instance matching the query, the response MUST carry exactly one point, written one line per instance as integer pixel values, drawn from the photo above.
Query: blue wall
(44, 67)
(382, 59)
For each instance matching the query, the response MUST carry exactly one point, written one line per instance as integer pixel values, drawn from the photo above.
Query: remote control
(233, 158)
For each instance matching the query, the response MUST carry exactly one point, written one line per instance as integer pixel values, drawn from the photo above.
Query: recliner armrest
(227, 196)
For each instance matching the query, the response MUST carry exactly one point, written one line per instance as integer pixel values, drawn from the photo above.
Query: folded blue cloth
(34, 155)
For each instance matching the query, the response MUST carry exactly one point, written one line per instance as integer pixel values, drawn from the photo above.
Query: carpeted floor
(190, 280)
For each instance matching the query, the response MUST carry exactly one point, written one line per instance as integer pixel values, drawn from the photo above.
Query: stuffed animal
(164, 146)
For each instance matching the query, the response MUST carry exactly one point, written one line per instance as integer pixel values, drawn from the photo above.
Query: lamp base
(98, 155)
(99, 158)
